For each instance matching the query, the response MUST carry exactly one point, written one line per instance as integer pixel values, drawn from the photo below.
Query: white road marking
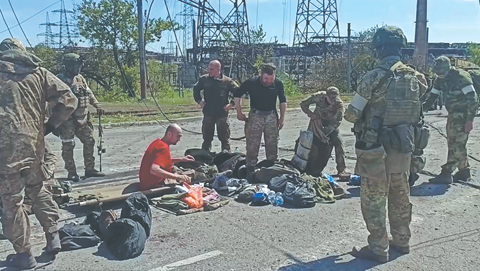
(189, 261)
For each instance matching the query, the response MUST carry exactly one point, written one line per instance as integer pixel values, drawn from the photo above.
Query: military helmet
(12, 43)
(71, 59)
(389, 35)
(442, 65)
(332, 91)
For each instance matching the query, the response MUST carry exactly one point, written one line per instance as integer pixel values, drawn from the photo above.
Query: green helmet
(71, 59)
(12, 43)
(442, 65)
(389, 35)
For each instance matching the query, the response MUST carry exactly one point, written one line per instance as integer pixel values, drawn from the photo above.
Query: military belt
(256, 111)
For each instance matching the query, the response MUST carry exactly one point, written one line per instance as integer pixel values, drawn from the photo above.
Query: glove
(48, 128)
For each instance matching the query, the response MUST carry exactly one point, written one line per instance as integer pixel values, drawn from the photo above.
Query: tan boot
(23, 260)
(53, 243)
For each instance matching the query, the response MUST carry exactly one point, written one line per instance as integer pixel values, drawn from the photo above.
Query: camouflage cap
(389, 35)
(333, 91)
(442, 65)
(72, 59)
(12, 43)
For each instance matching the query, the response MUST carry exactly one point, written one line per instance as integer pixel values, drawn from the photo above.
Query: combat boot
(399, 249)
(93, 173)
(367, 254)
(73, 176)
(53, 242)
(462, 175)
(23, 260)
(445, 177)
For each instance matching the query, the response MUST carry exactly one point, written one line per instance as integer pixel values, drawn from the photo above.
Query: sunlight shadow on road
(427, 189)
(334, 262)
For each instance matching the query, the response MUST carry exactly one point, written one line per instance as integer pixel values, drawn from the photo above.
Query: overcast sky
(448, 20)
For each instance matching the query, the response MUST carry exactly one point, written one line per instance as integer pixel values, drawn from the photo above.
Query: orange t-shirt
(157, 153)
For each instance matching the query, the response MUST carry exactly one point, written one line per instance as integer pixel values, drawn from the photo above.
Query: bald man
(217, 88)
(156, 168)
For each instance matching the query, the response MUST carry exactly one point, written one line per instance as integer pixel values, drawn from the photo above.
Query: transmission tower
(66, 30)
(188, 14)
(316, 35)
(49, 36)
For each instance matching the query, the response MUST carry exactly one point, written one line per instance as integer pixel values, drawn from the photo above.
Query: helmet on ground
(12, 43)
(389, 35)
(442, 65)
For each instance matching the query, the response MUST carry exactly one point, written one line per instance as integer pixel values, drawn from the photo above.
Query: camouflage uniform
(78, 124)
(325, 128)
(25, 89)
(384, 167)
(216, 94)
(258, 124)
(461, 102)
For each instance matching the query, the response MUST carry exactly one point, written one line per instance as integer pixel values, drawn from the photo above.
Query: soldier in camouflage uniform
(216, 89)
(461, 102)
(324, 123)
(79, 123)
(25, 90)
(263, 117)
(384, 110)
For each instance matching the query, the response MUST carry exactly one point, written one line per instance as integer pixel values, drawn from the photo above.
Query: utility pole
(421, 40)
(141, 47)
(349, 56)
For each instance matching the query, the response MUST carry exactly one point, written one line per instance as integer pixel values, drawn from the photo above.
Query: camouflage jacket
(371, 95)
(85, 96)
(25, 89)
(330, 114)
(458, 93)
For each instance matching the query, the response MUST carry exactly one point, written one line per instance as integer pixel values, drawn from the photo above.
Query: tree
(112, 25)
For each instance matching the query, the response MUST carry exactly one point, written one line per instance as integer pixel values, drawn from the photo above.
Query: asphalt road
(445, 222)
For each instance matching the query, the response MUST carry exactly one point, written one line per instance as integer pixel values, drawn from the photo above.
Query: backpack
(299, 193)
(475, 74)
(265, 174)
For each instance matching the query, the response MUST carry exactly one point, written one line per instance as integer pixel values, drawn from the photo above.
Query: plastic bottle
(271, 197)
(279, 199)
(237, 151)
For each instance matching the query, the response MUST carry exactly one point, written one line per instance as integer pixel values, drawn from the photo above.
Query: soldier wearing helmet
(385, 111)
(79, 123)
(461, 103)
(324, 122)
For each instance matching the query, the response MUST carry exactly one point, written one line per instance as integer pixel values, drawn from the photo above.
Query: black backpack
(299, 193)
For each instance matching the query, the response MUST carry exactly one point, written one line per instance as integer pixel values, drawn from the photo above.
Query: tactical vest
(402, 100)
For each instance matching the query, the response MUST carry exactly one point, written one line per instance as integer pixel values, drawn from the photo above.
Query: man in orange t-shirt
(157, 163)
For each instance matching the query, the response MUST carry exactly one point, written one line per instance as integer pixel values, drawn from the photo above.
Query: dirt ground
(445, 222)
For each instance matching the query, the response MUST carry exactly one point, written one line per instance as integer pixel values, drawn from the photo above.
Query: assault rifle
(100, 147)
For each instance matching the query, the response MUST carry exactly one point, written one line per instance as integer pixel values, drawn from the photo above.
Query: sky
(448, 20)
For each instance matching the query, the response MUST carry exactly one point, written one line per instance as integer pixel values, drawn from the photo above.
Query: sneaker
(93, 173)
(53, 243)
(367, 254)
(73, 176)
(399, 249)
(23, 260)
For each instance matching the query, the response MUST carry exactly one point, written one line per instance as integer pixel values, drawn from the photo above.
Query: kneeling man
(156, 168)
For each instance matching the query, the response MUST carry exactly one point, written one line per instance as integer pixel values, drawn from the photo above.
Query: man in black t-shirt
(215, 104)
(263, 117)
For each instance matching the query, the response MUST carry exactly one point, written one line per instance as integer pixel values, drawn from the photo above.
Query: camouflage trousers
(374, 196)
(336, 142)
(208, 131)
(67, 131)
(457, 143)
(16, 224)
(257, 125)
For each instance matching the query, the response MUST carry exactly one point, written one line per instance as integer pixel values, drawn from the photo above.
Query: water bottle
(355, 180)
(271, 197)
(279, 199)
(330, 179)
(237, 151)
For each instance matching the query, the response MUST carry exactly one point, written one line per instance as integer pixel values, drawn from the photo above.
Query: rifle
(100, 147)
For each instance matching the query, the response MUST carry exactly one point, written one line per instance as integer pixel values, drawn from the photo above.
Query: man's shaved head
(172, 134)
(215, 69)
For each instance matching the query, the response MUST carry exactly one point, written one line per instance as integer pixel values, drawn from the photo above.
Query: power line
(19, 23)
(8, 28)
(30, 17)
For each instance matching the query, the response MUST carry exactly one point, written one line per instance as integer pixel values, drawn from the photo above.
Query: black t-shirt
(261, 97)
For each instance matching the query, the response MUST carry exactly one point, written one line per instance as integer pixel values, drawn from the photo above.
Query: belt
(256, 111)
